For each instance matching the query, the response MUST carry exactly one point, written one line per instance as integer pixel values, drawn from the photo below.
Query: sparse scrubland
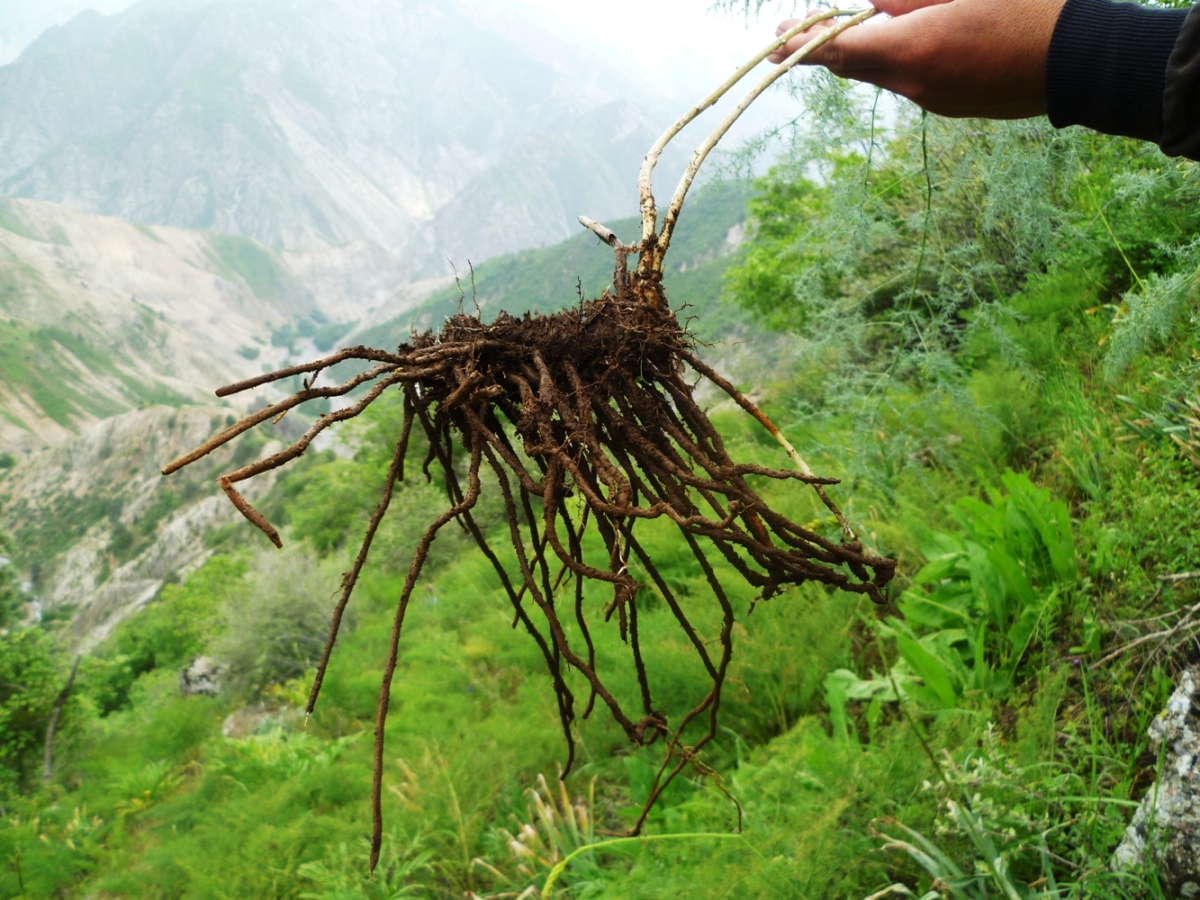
(994, 340)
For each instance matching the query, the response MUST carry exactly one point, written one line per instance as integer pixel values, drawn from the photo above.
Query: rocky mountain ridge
(309, 124)
(102, 529)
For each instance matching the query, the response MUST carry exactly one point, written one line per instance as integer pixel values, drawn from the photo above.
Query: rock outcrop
(1165, 831)
(202, 677)
(107, 528)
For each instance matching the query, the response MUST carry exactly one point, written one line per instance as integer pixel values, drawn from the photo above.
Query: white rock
(1167, 824)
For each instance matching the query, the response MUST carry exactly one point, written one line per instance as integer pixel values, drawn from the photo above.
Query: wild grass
(965, 749)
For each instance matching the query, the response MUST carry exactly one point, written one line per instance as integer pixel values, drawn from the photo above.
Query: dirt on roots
(584, 420)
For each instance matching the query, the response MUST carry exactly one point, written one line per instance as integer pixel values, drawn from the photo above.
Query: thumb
(901, 7)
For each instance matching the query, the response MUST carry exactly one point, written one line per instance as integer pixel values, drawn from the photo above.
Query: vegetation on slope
(550, 278)
(997, 346)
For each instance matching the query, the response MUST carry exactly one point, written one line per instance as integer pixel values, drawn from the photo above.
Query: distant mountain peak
(412, 125)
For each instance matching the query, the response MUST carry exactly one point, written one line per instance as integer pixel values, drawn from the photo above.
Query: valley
(184, 204)
(983, 337)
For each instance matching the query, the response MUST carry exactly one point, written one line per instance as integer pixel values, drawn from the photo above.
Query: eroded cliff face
(99, 316)
(104, 528)
(412, 125)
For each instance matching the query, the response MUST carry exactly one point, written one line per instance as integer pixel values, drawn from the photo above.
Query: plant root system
(586, 422)
(592, 403)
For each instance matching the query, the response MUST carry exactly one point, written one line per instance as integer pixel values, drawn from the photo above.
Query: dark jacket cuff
(1107, 66)
(1181, 99)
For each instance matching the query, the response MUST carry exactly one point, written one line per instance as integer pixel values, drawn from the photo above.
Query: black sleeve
(1181, 99)
(1123, 68)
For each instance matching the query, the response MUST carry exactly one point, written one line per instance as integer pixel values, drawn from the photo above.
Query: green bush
(32, 673)
(274, 630)
(12, 605)
(166, 634)
(977, 606)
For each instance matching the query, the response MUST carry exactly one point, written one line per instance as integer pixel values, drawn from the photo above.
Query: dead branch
(1187, 627)
(605, 234)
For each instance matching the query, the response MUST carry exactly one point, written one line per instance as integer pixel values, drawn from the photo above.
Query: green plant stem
(1095, 750)
(1116, 243)
(928, 204)
(871, 140)
(908, 310)
(461, 822)
(913, 724)
(556, 872)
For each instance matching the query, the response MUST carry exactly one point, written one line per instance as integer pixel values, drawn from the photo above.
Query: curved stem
(745, 403)
(689, 175)
(649, 213)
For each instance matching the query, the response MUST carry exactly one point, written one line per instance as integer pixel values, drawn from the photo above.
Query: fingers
(952, 57)
(796, 42)
(827, 56)
(903, 7)
(861, 49)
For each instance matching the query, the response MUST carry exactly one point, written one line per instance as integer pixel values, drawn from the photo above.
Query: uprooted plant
(592, 403)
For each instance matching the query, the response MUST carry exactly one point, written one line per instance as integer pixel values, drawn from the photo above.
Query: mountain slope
(97, 525)
(411, 125)
(547, 279)
(100, 530)
(550, 278)
(99, 316)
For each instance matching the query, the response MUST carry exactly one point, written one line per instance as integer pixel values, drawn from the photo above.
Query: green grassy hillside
(551, 278)
(996, 346)
(99, 317)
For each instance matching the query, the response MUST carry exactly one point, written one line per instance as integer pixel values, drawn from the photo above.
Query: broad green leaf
(929, 668)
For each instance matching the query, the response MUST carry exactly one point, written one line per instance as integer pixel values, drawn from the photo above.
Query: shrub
(10, 597)
(276, 629)
(165, 634)
(31, 676)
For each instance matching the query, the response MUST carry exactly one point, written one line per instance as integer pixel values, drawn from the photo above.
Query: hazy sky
(679, 40)
(678, 44)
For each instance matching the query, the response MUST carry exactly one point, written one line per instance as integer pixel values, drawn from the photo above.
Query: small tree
(32, 674)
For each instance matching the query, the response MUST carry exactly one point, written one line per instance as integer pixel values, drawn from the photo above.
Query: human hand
(959, 58)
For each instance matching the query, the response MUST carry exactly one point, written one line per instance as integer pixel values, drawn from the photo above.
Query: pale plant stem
(689, 175)
(649, 212)
(1116, 242)
(653, 248)
(604, 233)
(763, 419)
(1182, 576)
